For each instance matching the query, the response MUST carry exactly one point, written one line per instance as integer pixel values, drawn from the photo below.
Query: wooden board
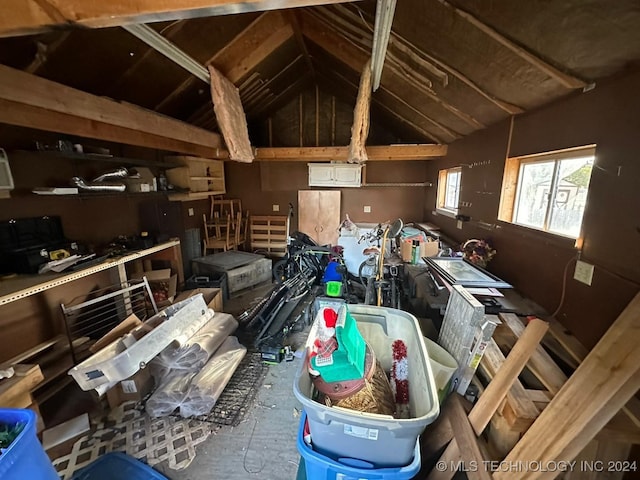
(26, 378)
(231, 117)
(602, 384)
(269, 232)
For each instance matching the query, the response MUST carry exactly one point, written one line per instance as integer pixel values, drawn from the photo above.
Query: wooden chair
(217, 234)
(242, 225)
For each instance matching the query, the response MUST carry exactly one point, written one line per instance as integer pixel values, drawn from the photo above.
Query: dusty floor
(264, 444)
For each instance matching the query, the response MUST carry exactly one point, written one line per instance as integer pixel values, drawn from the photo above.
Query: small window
(449, 190)
(548, 191)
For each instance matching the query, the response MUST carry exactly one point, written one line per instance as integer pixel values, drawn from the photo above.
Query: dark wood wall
(534, 261)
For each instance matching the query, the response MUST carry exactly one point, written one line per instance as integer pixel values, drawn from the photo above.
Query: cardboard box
(146, 182)
(124, 327)
(163, 285)
(427, 249)
(212, 297)
(134, 388)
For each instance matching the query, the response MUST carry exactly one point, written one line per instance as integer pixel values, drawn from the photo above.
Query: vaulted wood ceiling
(451, 69)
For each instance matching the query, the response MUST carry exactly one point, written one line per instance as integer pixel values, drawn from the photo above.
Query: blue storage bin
(25, 458)
(117, 465)
(319, 467)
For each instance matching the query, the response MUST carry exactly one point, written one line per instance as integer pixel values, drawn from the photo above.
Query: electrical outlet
(276, 208)
(459, 224)
(367, 209)
(191, 212)
(583, 272)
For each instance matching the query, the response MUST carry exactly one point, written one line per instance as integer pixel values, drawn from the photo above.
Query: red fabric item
(330, 317)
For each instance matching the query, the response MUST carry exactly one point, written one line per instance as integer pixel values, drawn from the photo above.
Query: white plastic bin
(120, 360)
(378, 439)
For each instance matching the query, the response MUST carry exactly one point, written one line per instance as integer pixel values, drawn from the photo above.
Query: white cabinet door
(334, 175)
(347, 175)
(320, 175)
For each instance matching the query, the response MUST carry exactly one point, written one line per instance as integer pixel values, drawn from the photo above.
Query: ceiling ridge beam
(261, 37)
(295, 25)
(565, 79)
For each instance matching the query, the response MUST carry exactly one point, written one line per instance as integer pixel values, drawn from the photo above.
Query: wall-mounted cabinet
(202, 177)
(335, 175)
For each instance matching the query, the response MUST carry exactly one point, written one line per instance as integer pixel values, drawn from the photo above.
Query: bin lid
(225, 261)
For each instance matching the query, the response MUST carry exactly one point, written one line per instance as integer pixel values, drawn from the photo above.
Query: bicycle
(379, 273)
(303, 256)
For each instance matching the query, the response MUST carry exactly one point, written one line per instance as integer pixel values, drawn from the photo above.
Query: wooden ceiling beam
(247, 49)
(566, 80)
(26, 17)
(39, 103)
(375, 153)
(295, 87)
(295, 25)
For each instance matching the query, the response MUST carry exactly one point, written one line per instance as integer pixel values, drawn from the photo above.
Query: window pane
(453, 190)
(533, 193)
(571, 196)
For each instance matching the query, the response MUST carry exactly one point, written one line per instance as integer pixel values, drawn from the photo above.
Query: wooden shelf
(189, 196)
(25, 285)
(94, 157)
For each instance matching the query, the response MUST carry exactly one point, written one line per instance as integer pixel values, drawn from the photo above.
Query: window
(548, 191)
(449, 190)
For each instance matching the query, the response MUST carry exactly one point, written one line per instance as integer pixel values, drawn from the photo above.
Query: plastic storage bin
(25, 458)
(320, 467)
(210, 280)
(381, 440)
(243, 269)
(117, 465)
(116, 362)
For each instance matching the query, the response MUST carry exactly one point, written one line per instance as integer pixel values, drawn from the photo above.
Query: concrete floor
(264, 444)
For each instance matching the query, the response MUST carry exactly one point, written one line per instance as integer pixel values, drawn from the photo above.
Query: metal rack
(92, 315)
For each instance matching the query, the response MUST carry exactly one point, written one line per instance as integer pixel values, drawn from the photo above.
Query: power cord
(564, 283)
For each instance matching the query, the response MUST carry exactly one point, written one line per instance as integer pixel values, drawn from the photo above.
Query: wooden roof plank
(34, 16)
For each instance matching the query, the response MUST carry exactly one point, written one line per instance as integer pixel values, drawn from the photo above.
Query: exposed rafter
(31, 101)
(355, 58)
(25, 17)
(295, 24)
(402, 72)
(261, 38)
(429, 62)
(565, 79)
(345, 82)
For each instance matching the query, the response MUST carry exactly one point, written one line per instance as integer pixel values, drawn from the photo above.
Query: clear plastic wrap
(209, 383)
(193, 353)
(170, 394)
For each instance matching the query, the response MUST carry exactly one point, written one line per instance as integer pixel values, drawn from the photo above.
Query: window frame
(512, 181)
(443, 176)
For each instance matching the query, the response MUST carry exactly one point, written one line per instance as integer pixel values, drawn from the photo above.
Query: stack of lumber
(536, 412)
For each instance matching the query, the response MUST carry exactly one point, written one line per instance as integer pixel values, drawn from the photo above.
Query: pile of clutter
(347, 372)
(187, 348)
(192, 375)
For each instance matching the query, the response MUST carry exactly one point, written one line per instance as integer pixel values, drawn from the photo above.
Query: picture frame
(458, 271)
